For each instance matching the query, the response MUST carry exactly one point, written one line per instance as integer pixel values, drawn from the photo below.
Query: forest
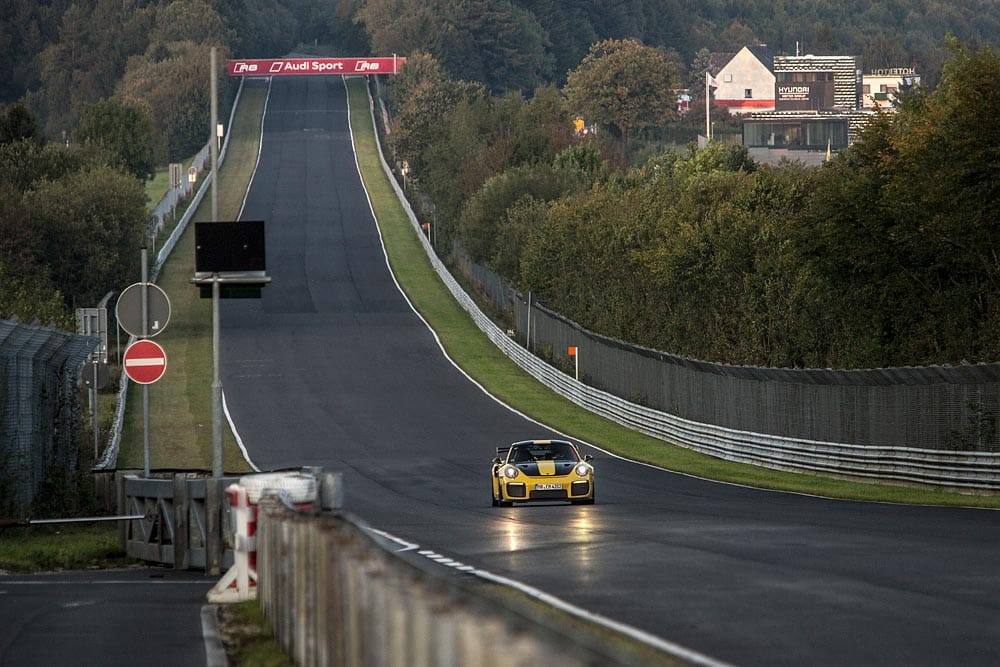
(885, 256)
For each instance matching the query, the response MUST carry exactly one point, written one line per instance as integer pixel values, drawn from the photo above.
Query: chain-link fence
(39, 409)
(930, 407)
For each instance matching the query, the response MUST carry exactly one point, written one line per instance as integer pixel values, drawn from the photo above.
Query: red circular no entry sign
(144, 361)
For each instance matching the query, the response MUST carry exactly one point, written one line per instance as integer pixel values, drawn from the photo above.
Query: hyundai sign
(282, 66)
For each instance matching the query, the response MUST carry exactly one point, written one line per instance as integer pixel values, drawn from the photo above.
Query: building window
(748, 93)
(796, 134)
(727, 78)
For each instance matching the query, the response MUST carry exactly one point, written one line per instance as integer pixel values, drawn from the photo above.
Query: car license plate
(548, 487)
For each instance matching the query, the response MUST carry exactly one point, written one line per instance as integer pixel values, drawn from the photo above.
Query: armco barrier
(334, 596)
(975, 472)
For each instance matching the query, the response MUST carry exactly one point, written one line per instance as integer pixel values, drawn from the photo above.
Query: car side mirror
(588, 458)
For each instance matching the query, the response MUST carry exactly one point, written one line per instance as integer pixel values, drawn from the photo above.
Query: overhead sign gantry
(284, 66)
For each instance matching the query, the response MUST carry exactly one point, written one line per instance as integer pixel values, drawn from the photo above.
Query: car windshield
(553, 451)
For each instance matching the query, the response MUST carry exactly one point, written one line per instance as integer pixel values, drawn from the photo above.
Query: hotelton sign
(280, 66)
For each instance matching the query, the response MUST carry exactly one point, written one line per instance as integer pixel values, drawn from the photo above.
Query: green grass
(158, 186)
(180, 402)
(248, 638)
(66, 547)
(483, 361)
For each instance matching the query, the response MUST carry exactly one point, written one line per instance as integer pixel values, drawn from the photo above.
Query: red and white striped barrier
(239, 583)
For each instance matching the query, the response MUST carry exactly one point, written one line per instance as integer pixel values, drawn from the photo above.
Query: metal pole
(145, 387)
(708, 96)
(214, 149)
(213, 488)
(93, 394)
(216, 385)
(527, 342)
(213, 500)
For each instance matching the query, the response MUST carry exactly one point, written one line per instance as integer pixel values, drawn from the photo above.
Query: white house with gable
(746, 82)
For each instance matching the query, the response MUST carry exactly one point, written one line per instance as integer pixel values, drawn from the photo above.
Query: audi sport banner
(276, 66)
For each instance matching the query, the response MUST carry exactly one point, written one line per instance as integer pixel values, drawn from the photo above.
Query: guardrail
(975, 472)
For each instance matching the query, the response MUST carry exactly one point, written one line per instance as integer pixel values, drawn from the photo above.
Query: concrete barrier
(334, 596)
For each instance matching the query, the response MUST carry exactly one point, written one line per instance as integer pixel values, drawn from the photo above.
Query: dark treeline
(519, 44)
(60, 55)
(885, 256)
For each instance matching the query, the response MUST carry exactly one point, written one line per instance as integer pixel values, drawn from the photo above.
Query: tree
(494, 42)
(945, 189)
(623, 84)
(173, 84)
(85, 62)
(17, 122)
(498, 43)
(191, 21)
(485, 215)
(89, 228)
(419, 125)
(422, 71)
(124, 129)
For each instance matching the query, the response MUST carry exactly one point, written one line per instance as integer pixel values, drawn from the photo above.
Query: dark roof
(763, 54)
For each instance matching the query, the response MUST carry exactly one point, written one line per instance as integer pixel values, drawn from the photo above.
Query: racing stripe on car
(546, 467)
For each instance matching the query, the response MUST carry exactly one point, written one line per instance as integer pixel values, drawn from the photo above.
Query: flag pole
(708, 122)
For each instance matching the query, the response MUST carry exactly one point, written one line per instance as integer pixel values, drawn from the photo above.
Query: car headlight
(582, 469)
(510, 471)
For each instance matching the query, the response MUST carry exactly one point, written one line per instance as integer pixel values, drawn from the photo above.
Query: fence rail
(959, 471)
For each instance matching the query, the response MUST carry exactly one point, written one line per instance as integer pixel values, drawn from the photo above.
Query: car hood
(545, 468)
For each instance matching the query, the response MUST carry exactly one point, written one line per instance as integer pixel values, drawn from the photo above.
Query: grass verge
(180, 402)
(248, 638)
(25, 549)
(501, 377)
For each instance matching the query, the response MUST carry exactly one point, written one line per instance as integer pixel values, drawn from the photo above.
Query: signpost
(141, 309)
(128, 310)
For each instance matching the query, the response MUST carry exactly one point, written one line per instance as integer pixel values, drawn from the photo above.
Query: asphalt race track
(331, 367)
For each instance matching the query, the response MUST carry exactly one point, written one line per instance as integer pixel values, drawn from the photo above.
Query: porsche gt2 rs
(534, 470)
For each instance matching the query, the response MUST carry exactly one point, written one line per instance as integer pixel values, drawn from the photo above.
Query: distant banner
(280, 66)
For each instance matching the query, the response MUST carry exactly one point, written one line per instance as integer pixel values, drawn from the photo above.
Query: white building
(879, 87)
(746, 82)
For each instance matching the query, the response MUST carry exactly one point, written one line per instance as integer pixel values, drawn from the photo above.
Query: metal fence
(953, 408)
(39, 409)
(183, 523)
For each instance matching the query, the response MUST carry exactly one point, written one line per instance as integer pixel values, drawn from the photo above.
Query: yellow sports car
(533, 470)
